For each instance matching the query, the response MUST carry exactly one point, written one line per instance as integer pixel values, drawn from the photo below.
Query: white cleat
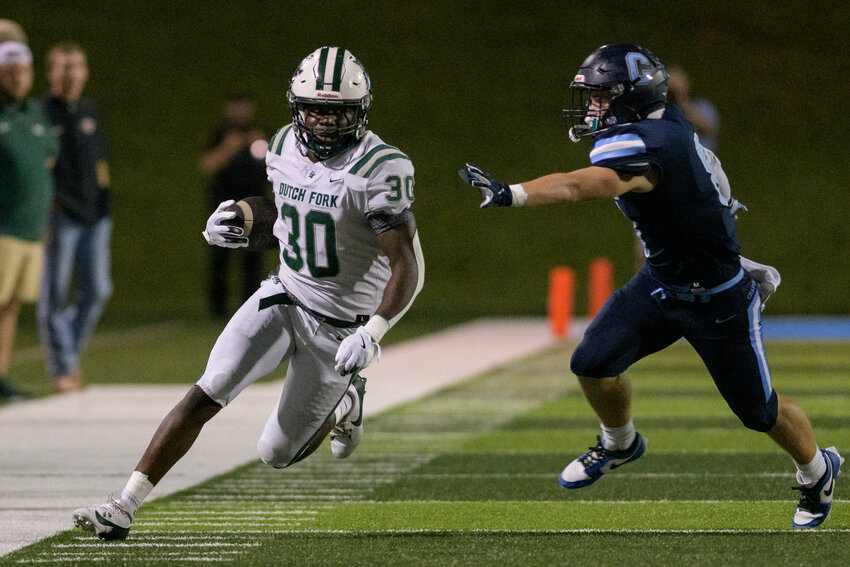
(106, 521)
(590, 467)
(345, 435)
(816, 500)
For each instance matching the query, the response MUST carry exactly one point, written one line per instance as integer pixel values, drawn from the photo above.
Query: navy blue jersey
(685, 223)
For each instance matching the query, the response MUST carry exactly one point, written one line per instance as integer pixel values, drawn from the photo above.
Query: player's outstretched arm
(579, 185)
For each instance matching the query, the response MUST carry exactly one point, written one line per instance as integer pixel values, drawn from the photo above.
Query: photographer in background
(234, 157)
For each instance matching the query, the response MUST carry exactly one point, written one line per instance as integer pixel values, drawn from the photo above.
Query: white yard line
(62, 452)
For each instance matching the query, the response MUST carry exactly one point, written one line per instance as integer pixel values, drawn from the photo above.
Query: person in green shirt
(27, 150)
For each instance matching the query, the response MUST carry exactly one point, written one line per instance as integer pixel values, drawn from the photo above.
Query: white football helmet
(331, 77)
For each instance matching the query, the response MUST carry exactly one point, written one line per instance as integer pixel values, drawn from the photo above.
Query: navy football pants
(725, 332)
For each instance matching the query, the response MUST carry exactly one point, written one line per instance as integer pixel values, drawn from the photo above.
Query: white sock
(344, 407)
(618, 438)
(812, 471)
(137, 489)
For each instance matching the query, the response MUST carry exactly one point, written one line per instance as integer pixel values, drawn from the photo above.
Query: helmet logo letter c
(639, 67)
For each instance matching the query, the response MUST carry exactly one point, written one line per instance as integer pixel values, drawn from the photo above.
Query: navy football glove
(494, 192)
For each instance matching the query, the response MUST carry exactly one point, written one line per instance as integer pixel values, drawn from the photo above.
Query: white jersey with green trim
(329, 254)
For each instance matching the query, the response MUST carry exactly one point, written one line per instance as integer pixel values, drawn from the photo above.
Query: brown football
(256, 216)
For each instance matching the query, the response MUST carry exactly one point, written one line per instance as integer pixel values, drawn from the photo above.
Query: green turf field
(468, 477)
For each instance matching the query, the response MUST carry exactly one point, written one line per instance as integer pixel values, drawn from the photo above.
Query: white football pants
(254, 343)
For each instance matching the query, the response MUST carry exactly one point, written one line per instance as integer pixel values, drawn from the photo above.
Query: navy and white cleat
(106, 521)
(345, 435)
(589, 467)
(816, 501)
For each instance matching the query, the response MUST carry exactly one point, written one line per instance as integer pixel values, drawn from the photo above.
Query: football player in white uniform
(350, 267)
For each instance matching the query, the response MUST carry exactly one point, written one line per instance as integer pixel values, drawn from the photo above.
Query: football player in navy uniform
(647, 156)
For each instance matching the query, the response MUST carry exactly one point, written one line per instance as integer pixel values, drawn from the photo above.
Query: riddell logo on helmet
(327, 95)
(579, 78)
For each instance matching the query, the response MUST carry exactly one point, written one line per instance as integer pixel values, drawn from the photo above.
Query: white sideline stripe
(291, 486)
(111, 558)
(263, 512)
(617, 502)
(99, 434)
(575, 531)
(99, 545)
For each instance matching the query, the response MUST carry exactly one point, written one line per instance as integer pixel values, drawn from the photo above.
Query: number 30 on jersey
(320, 242)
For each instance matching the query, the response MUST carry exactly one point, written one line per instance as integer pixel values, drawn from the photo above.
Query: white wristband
(377, 327)
(520, 196)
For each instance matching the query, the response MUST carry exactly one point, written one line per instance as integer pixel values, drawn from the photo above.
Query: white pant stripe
(757, 342)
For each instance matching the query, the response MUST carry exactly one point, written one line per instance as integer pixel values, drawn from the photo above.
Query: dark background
(468, 81)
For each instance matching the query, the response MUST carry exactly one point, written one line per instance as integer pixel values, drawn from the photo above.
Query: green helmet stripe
(338, 64)
(320, 75)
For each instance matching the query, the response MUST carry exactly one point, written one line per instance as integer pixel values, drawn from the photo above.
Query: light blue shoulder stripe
(622, 145)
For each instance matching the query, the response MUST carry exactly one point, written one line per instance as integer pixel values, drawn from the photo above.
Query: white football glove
(356, 352)
(219, 234)
(767, 278)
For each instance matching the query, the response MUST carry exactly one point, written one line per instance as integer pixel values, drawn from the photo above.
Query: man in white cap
(11, 30)
(27, 150)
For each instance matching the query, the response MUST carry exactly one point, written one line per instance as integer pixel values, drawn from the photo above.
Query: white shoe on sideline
(106, 521)
(345, 435)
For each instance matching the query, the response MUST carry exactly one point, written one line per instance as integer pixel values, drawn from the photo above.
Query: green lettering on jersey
(292, 252)
(315, 222)
(323, 200)
(292, 193)
(395, 183)
(312, 221)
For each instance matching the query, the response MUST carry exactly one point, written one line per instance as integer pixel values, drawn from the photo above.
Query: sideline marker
(561, 300)
(600, 284)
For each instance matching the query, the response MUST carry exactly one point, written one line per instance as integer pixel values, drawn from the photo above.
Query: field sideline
(99, 433)
(467, 476)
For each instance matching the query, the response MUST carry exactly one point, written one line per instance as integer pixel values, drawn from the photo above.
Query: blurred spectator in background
(699, 111)
(234, 156)
(80, 226)
(11, 31)
(27, 149)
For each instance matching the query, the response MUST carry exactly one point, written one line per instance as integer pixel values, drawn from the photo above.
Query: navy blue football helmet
(629, 77)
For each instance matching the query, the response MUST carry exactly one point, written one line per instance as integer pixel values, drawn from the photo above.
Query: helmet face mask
(328, 129)
(634, 80)
(330, 95)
